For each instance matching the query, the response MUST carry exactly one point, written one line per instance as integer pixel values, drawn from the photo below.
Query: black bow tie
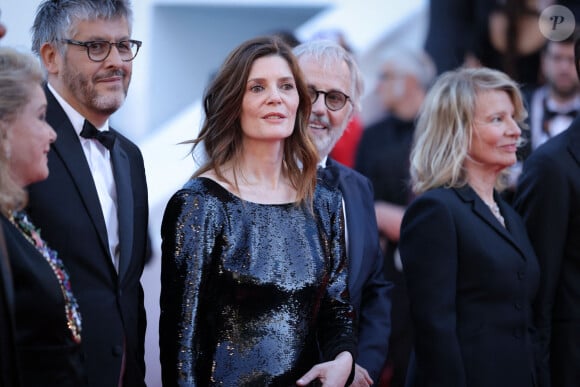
(329, 175)
(106, 137)
(550, 114)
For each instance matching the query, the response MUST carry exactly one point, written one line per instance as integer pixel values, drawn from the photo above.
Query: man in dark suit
(553, 106)
(548, 198)
(335, 87)
(93, 207)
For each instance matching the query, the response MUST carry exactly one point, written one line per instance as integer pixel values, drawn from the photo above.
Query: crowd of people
(436, 247)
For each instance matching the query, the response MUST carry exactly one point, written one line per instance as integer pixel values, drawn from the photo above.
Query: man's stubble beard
(85, 92)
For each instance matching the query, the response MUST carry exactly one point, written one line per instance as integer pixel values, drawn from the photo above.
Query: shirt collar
(76, 119)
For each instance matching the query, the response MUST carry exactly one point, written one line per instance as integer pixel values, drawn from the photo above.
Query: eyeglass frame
(325, 93)
(86, 44)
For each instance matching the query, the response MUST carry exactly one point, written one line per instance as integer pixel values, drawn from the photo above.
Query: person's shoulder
(441, 197)
(378, 126)
(125, 141)
(344, 170)
(433, 209)
(199, 191)
(193, 186)
(199, 201)
(436, 194)
(202, 186)
(353, 176)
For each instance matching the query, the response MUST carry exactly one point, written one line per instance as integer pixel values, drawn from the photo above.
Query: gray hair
(56, 19)
(18, 73)
(328, 53)
(416, 63)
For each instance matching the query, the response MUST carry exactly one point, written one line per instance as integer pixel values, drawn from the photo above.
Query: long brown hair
(221, 133)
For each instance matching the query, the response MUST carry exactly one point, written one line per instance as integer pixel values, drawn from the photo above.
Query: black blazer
(47, 354)
(471, 284)
(369, 290)
(66, 208)
(548, 197)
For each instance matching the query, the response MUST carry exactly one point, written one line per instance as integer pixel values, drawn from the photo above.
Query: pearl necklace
(495, 211)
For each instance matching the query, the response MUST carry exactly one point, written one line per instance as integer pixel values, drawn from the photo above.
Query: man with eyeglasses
(335, 87)
(93, 207)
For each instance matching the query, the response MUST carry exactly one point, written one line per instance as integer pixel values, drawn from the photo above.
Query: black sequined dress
(249, 291)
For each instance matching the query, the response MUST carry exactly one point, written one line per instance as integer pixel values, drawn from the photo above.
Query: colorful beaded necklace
(71, 308)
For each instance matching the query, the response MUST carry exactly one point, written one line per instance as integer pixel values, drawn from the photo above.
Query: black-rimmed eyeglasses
(334, 100)
(99, 50)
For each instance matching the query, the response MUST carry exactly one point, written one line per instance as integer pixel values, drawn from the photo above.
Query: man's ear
(50, 57)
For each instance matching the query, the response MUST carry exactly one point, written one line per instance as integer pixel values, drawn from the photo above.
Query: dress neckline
(234, 196)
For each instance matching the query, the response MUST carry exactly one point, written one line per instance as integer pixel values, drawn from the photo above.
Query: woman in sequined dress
(47, 320)
(470, 269)
(253, 280)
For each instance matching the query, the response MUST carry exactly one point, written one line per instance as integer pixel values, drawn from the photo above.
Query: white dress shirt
(99, 160)
(557, 125)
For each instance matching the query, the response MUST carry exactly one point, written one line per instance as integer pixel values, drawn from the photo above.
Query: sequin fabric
(249, 291)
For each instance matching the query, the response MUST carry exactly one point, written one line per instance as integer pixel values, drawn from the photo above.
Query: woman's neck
(483, 183)
(259, 176)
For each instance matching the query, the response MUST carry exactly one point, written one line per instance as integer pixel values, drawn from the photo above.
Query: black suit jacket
(369, 290)
(548, 197)
(471, 285)
(66, 208)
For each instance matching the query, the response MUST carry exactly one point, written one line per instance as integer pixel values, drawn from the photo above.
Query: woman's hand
(333, 373)
(361, 377)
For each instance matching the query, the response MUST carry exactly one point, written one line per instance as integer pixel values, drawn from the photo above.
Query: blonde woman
(470, 269)
(47, 318)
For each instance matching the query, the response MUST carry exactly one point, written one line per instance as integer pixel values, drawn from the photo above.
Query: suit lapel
(480, 209)
(121, 173)
(67, 147)
(352, 220)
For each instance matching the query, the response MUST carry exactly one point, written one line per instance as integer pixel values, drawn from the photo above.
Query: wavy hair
(19, 72)
(445, 125)
(221, 132)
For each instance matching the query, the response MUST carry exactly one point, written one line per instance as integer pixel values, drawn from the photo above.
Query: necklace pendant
(494, 208)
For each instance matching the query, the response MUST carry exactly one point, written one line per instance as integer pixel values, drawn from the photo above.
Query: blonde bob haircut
(19, 73)
(445, 125)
